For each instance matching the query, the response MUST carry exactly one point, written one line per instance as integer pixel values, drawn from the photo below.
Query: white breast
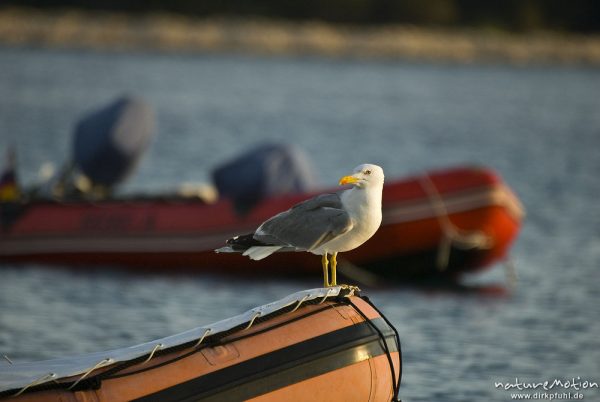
(364, 208)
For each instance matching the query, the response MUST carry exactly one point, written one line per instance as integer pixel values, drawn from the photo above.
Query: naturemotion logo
(561, 389)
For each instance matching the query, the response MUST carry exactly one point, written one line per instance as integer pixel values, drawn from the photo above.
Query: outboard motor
(9, 185)
(266, 171)
(109, 142)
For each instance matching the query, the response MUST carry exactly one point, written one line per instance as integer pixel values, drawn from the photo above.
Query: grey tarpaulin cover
(19, 375)
(109, 142)
(265, 171)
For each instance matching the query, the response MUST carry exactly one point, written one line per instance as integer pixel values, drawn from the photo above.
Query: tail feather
(226, 249)
(249, 246)
(260, 252)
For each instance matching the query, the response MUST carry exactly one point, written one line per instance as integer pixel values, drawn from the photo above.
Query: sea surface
(538, 126)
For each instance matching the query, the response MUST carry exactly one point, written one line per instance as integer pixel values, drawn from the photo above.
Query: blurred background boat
(439, 223)
(469, 223)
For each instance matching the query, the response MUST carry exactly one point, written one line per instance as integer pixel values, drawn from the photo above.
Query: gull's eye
(367, 172)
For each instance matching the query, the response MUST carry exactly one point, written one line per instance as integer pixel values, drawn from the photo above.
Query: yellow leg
(333, 269)
(325, 264)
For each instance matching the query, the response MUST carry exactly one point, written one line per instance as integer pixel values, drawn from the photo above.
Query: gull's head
(366, 175)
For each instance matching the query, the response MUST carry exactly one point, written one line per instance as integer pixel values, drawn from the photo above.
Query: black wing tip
(244, 242)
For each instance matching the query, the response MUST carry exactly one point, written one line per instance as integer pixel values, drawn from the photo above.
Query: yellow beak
(348, 180)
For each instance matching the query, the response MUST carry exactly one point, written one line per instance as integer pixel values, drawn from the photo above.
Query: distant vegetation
(577, 16)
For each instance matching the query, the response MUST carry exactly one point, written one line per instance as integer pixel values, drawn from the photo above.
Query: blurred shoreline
(74, 29)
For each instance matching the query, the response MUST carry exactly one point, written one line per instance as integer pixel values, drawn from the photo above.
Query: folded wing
(307, 225)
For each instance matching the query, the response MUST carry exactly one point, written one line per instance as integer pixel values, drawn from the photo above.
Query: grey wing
(308, 224)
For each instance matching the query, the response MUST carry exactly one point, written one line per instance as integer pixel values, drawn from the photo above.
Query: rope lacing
(158, 346)
(254, 317)
(101, 363)
(451, 234)
(208, 331)
(40, 380)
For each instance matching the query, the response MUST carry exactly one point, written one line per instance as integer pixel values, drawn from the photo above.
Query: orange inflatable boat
(328, 344)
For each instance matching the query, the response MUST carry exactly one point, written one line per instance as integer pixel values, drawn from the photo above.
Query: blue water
(538, 126)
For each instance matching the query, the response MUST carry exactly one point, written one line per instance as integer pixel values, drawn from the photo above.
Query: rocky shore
(174, 33)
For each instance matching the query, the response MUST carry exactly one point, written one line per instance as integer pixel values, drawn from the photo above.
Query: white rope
(157, 347)
(101, 363)
(208, 331)
(256, 315)
(510, 271)
(40, 380)
(452, 235)
(326, 295)
(300, 302)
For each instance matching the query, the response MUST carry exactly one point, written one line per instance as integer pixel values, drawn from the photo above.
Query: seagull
(327, 224)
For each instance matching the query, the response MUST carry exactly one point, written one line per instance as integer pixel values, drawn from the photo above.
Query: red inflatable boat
(441, 222)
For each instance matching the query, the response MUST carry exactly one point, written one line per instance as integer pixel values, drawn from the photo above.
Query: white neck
(358, 200)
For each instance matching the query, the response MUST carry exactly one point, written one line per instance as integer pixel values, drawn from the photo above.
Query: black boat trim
(388, 352)
(286, 366)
